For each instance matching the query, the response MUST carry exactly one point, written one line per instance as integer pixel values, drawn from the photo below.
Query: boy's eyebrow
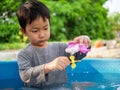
(45, 25)
(35, 27)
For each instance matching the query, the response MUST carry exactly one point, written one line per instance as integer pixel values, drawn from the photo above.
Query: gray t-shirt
(31, 62)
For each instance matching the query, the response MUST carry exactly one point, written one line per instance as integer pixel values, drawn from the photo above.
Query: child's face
(38, 32)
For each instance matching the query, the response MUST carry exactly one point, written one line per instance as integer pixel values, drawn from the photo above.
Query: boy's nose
(41, 34)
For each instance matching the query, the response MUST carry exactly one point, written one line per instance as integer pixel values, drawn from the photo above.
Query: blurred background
(99, 19)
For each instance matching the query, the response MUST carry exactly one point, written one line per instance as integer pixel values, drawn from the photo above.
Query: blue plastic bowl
(86, 70)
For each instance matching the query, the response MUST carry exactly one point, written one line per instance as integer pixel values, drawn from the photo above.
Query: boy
(42, 63)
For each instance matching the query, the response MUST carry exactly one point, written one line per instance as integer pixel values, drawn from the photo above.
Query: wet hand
(59, 63)
(83, 40)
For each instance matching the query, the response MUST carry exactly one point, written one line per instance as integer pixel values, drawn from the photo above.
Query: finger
(63, 62)
(61, 67)
(79, 39)
(76, 39)
(85, 40)
(60, 64)
(66, 61)
(89, 43)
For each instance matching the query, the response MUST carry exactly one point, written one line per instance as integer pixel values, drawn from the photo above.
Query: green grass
(10, 46)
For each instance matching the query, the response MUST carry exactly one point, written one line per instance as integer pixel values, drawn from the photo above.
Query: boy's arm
(33, 76)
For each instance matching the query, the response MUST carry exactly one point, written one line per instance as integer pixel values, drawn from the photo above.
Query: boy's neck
(41, 46)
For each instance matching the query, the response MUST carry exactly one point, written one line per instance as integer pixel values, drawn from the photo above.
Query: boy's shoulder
(27, 49)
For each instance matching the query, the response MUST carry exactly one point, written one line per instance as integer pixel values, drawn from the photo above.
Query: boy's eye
(45, 28)
(34, 30)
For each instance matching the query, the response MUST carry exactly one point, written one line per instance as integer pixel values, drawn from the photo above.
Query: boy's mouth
(42, 41)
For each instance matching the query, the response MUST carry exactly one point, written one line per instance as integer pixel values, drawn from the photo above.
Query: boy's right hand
(59, 63)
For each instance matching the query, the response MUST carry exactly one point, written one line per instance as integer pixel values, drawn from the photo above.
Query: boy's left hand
(83, 40)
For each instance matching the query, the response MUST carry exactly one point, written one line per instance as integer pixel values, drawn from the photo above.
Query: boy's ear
(23, 31)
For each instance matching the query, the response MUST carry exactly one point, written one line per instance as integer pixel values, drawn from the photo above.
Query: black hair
(29, 11)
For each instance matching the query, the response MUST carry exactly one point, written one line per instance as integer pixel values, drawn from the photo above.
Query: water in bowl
(87, 82)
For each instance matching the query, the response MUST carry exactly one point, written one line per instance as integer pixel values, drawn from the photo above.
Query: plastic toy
(74, 48)
(73, 61)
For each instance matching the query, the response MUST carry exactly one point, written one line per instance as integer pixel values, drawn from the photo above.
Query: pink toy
(76, 47)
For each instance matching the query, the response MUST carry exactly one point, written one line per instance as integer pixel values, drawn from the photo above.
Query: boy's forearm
(29, 76)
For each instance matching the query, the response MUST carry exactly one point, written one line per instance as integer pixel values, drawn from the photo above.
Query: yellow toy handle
(73, 65)
(73, 61)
